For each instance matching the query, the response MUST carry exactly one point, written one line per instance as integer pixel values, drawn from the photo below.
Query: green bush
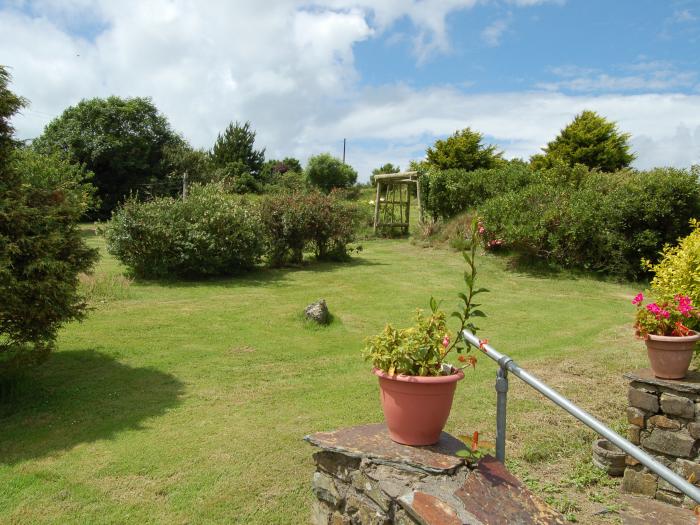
(678, 271)
(606, 222)
(210, 233)
(42, 254)
(449, 192)
(294, 223)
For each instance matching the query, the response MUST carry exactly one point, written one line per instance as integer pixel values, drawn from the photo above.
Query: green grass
(188, 402)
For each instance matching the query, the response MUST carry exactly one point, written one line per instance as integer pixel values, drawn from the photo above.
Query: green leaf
(480, 290)
(464, 453)
(458, 316)
(477, 313)
(469, 280)
(464, 297)
(433, 304)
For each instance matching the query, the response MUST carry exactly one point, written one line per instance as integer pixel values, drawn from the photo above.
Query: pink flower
(446, 341)
(663, 313)
(654, 308)
(637, 299)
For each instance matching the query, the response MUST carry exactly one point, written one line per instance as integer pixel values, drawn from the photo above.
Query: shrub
(289, 181)
(606, 222)
(312, 221)
(210, 233)
(326, 172)
(678, 271)
(41, 254)
(449, 192)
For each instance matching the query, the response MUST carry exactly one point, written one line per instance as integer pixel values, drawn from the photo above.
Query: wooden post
(184, 186)
(408, 207)
(420, 201)
(376, 206)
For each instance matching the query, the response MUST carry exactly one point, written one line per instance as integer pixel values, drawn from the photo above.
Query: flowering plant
(676, 317)
(422, 349)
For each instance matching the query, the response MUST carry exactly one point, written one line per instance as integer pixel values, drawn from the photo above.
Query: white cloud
(649, 76)
(684, 15)
(289, 69)
(493, 32)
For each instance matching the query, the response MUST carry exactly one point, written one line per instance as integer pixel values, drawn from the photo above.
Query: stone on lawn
(318, 312)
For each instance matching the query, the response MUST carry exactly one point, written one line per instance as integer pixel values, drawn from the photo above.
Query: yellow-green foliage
(678, 272)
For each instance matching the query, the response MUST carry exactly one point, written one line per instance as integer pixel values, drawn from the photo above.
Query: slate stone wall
(664, 420)
(363, 478)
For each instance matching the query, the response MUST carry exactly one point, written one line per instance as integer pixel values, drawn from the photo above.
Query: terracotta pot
(416, 408)
(670, 356)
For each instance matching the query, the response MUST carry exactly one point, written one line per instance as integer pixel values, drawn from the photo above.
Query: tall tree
(590, 140)
(121, 141)
(41, 248)
(235, 148)
(463, 150)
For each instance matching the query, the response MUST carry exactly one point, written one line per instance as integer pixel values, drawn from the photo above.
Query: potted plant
(667, 329)
(416, 382)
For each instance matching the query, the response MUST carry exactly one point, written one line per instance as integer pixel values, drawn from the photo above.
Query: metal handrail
(506, 364)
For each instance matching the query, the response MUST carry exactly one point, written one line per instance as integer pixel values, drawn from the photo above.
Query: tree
(186, 161)
(41, 248)
(463, 150)
(590, 140)
(234, 156)
(386, 168)
(326, 172)
(121, 141)
(273, 169)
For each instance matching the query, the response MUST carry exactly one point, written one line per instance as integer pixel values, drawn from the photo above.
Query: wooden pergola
(392, 206)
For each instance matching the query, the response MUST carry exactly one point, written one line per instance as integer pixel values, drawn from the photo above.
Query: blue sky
(391, 76)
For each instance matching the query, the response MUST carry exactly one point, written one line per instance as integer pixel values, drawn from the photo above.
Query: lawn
(188, 402)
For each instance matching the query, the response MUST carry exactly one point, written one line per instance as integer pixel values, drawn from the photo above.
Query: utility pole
(343, 151)
(184, 186)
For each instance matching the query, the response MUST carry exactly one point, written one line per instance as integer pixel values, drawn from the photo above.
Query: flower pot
(416, 408)
(670, 356)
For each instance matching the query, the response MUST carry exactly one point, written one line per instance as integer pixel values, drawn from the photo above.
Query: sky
(390, 76)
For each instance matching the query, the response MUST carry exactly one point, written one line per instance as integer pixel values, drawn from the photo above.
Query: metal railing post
(506, 364)
(501, 406)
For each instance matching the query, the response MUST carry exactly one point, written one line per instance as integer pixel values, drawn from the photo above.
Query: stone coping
(690, 384)
(373, 441)
(362, 477)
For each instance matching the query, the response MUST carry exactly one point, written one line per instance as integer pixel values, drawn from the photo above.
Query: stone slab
(373, 442)
(690, 384)
(643, 511)
(494, 496)
(429, 510)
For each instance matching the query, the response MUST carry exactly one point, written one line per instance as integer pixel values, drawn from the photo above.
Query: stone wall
(664, 420)
(362, 477)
